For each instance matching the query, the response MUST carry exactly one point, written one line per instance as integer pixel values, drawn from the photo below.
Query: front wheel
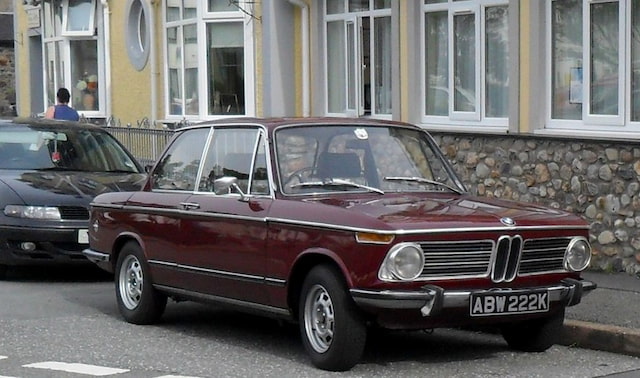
(535, 335)
(138, 301)
(332, 329)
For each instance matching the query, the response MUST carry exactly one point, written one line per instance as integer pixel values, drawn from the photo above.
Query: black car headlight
(32, 212)
(404, 262)
(578, 255)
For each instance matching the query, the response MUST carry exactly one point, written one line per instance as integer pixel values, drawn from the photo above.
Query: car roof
(273, 123)
(50, 124)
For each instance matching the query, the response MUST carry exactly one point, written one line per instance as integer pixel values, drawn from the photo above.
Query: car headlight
(578, 255)
(32, 212)
(404, 262)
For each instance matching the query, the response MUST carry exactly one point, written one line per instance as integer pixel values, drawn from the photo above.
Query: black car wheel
(535, 335)
(138, 301)
(332, 329)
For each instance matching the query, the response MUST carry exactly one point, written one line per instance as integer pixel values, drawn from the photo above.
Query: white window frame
(593, 124)
(65, 21)
(204, 17)
(475, 120)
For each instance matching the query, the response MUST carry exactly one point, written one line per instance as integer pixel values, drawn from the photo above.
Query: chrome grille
(447, 259)
(74, 213)
(543, 255)
(502, 261)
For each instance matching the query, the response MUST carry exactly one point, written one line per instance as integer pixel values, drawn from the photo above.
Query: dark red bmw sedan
(340, 225)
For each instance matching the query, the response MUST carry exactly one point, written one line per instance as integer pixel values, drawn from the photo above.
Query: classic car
(49, 173)
(339, 225)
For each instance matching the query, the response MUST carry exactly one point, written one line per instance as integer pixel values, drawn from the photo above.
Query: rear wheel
(332, 329)
(535, 335)
(138, 301)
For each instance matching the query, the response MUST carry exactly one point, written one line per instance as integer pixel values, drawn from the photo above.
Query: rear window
(69, 149)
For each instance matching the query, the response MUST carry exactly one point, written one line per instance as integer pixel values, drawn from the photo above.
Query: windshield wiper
(423, 180)
(336, 182)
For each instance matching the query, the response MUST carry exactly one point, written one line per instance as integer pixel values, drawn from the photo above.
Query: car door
(161, 207)
(225, 232)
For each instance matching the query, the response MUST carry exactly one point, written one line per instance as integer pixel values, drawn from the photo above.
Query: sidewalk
(608, 318)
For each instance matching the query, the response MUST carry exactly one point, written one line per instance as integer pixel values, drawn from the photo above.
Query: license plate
(505, 303)
(83, 236)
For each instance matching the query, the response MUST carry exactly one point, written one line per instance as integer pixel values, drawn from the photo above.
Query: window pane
(174, 58)
(79, 15)
(191, 69)
(336, 90)
(221, 6)
(635, 60)
(84, 74)
(464, 64)
(225, 60)
(358, 5)
(382, 66)
(604, 58)
(497, 65)
(436, 70)
(54, 70)
(179, 168)
(52, 17)
(335, 6)
(173, 10)
(434, 1)
(382, 4)
(566, 59)
(190, 9)
(351, 66)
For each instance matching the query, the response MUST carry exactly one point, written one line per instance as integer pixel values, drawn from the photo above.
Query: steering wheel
(297, 174)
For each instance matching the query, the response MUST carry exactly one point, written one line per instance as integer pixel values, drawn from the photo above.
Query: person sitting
(62, 110)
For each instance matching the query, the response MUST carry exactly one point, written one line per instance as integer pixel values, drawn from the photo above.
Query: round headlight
(578, 255)
(404, 261)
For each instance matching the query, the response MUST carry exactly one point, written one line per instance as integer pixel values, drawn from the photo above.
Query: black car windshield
(74, 149)
(374, 158)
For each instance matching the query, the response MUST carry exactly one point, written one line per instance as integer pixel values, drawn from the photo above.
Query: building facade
(534, 100)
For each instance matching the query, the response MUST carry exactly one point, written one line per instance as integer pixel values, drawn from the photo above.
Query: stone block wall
(7, 82)
(598, 180)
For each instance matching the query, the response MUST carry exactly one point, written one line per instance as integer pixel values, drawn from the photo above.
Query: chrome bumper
(95, 256)
(432, 299)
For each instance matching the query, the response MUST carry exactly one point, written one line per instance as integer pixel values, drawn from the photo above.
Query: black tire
(3, 271)
(332, 329)
(534, 335)
(138, 301)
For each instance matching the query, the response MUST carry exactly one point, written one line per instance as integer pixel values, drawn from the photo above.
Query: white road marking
(77, 368)
(173, 376)
(6, 376)
(3, 357)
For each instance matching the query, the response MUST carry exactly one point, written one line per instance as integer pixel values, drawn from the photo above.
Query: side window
(178, 168)
(230, 154)
(260, 178)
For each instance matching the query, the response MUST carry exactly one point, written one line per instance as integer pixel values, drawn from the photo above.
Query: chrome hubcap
(319, 319)
(130, 282)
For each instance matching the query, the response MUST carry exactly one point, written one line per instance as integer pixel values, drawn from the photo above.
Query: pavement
(607, 318)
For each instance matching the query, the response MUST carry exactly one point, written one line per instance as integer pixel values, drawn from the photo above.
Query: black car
(50, 171)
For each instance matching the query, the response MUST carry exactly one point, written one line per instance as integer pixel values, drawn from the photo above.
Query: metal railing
(144, 142)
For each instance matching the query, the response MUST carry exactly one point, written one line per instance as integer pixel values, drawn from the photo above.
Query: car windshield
(378, 159)
(71, 149)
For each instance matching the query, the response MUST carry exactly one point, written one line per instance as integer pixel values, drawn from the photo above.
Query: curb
(608, 338)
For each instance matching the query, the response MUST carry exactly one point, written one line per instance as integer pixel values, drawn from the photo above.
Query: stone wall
(7, 81)
(598, 180)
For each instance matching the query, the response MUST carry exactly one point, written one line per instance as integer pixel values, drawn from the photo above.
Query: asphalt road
(62, 323)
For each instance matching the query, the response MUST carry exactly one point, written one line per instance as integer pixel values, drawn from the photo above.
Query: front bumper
(433, 300)
(42, 245)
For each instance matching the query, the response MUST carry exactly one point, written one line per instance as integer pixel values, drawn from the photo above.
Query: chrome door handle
(189, 205)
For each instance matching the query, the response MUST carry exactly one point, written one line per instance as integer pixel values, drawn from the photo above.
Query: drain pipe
(107, 56)
(305, 54)
(153, 64)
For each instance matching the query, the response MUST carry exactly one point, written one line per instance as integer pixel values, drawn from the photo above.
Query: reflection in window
(178, 169)
(382, 66)
(635, 61)
(436, 66)
(497, 66)
(80, 15)
(84, 74)
(225, 58)
(336, 67)
(566, 16)
(464, 65)
(174, 57)
(604, 58)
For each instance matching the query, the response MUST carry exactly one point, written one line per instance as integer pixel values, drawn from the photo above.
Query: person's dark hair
(63, 95)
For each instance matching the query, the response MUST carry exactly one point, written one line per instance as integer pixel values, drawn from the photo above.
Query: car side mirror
(225, 184)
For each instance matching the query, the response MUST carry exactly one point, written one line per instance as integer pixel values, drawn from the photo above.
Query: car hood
(448, 212)
(49, 187)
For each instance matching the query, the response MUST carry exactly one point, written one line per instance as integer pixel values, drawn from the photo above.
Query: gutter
(305, 55)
